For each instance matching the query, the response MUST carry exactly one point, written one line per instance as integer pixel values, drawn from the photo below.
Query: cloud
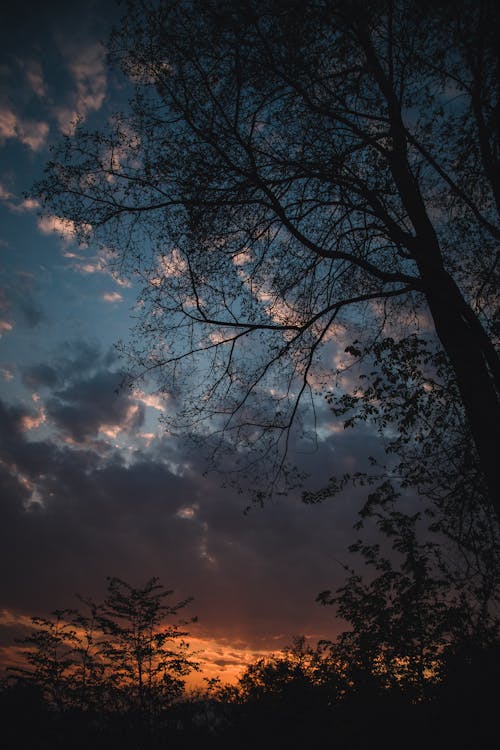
(5, 194)
(18, 297)
(51, 224)
(112, 297)
(4, 302)
(101, 263)
(77, 358)
(26, 205)
(82, 395)
(73, 361)
(14, 204)
(31, 311)
(89, 405)
(65, 228)
(154, 400)
(8, 124)
(32, 133)
(33, 421)
(40, 375)
(88, 69)
(34, 76)
(135, 517)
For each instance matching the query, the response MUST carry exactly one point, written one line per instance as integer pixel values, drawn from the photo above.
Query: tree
(410, 397)
(291, 175)
(288, 697)
(146, 657)
(295, 680)
(418, 608)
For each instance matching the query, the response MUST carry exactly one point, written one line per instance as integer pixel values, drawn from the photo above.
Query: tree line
(419, 659)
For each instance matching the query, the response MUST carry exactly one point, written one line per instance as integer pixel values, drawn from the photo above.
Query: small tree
(288, 678)
(146, 659)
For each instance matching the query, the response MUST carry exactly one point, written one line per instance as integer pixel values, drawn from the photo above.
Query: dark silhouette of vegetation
(430, 466)
(291, 174)
(115, 667)
(148, 658)
(418, 605)
(418, 665)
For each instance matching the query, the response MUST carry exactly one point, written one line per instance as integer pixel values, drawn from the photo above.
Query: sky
(90, 484)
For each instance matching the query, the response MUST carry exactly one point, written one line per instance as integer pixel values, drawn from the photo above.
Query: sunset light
(249, 374)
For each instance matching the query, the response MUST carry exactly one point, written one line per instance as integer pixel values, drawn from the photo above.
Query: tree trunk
(471, 354)
(457, 328)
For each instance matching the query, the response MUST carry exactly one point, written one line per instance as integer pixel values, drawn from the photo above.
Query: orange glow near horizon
(227, 661)
(223, 658)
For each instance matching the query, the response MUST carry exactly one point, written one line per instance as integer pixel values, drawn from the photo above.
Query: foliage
(147, 658)
(300, 677)
(50, 653)
(405, 390)
(429, 456)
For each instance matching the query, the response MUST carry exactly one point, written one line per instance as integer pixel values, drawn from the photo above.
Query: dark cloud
(20, 295)
(77, 358)
(35, 376)
(84, 391)
(10, 422)
(87, 404)
(31, 312)
(74, 513)
(253, 577)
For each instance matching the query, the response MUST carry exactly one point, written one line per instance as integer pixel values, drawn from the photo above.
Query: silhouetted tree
(88, 677)
(288, 172)
(429, 455)
(146, 657)
(298, 678)
(413, 607)
(409, 396)
(287, 697)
